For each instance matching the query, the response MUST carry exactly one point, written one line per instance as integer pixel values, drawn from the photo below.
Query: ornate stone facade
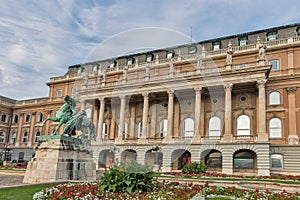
(236, 108)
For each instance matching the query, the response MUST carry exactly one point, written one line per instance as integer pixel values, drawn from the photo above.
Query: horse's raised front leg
(54, 119)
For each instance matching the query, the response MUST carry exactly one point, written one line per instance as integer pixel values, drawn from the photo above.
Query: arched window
(3, 118)
(2, 137)
(37, 136)
(276, 161)
(39, 117)
(272, 36)
(275, 129)
(13, 137)
(243, 125)
(213, 159)
(27, 118)
(105, 131)
(16, 119)
(163, 128)
(188, 127)
(214, 127)
(140, 129)
(244, 159)
(25, 137)
(274, 98)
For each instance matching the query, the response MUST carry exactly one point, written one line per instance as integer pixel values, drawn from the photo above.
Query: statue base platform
(61, 158)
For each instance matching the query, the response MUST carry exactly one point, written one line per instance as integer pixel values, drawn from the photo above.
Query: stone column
(262, 133)
(228, 116)
(19, 134)
(290, 61)
(131, 132)
(170, 115)
(101, 119)
(31, 130)
(122, 118)
(197, 114)
(83, 102)
(145, 115)
(293, 137)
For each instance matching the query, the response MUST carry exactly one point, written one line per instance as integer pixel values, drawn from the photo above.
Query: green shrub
(127, 177)
(1, 161)
(194, 168)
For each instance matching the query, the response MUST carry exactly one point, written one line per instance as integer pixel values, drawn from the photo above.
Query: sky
(40, 39)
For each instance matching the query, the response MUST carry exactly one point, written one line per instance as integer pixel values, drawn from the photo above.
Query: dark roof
(8, 99)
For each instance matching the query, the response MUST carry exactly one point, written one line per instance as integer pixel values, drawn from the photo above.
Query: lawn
(21, 193)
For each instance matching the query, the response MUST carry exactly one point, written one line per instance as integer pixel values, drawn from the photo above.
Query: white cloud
(40, 39)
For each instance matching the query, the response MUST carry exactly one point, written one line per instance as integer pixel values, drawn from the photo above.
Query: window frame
(130, 61)
(27, 118)
(59, 92)
(276, 101)
(2, 137)
(253, 156)
(188, 131)
(270, 36)
(112, 65)
(25, 137)
(243, 38)
(192, 49)
(163, 128)
(13, 137)
(39, 117)
(140, 129)
(275, 128)
(216, 43)
(73, 91)
(212, 130)
(105, 131)
(4, 118)
(277, 64)
(14, 119)
(243, 129)
(149, 58)
(281, 161)
(36, 136)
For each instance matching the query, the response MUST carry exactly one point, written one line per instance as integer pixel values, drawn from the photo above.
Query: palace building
(231, 102)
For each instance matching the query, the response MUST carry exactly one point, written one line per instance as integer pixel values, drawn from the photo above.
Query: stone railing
(245, 138)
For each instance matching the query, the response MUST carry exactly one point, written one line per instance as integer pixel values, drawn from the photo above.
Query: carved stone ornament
(228, 87)
(261, 83)
(291, 90)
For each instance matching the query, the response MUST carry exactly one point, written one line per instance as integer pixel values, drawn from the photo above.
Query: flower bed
(161, 191)
(220, 175)
(21, 168)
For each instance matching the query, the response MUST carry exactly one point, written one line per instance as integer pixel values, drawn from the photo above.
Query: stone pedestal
(61, 158)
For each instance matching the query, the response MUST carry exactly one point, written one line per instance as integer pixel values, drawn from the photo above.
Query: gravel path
(11, 179)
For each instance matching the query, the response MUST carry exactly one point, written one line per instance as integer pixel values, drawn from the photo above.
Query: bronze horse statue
(72, 119)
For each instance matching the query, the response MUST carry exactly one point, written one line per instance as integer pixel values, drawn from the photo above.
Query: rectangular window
(216, 46)
(243, 41)
(274, 64)
(276, 161)
(271, 36)
(59, 93)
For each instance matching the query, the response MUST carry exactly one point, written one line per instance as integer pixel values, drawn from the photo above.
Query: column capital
(122, 97)
(261, 83)
(170, 92)
(291, 90)
(198, 89)
(101, 99)
(228, 87)
(145, 94)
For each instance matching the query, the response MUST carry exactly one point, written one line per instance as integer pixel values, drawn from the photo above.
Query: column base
(167, 139)
(196, 139)
(263, 172)
(142, 141)
(166, 169)
(227, 171)
(228, 66)
(227, 138)
(293, 139)
(263, 137)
